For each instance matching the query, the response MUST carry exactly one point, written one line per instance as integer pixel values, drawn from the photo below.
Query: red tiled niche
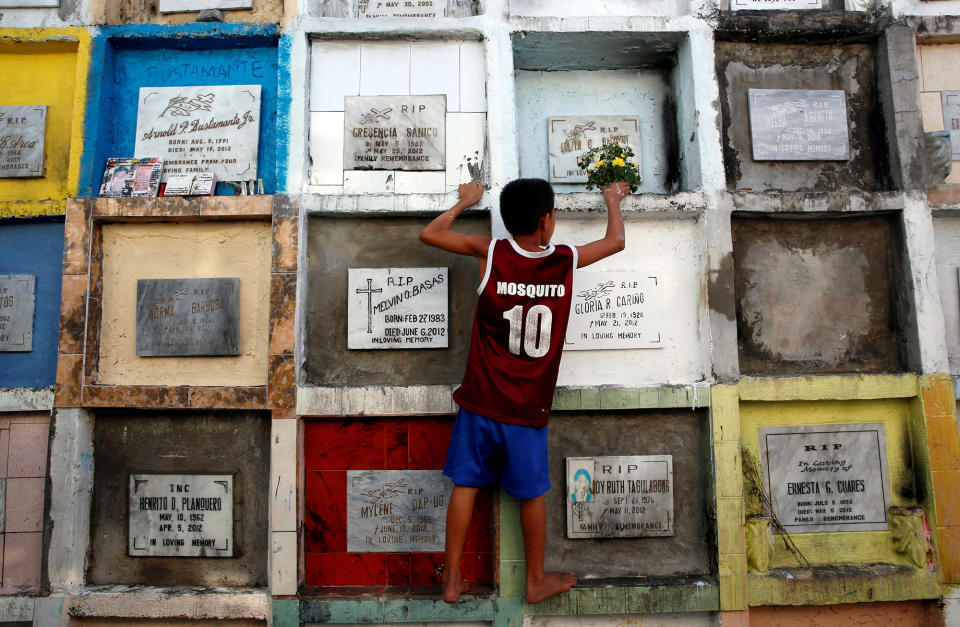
(331, 448)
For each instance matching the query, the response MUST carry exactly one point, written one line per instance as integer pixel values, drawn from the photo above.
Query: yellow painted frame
(22, 40)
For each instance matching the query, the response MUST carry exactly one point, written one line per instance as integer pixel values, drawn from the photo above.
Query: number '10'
(536, 331)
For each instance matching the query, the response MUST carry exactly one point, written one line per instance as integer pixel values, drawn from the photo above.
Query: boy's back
(518, 333)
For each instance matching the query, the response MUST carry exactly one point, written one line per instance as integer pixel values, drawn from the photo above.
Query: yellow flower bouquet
(610, 163)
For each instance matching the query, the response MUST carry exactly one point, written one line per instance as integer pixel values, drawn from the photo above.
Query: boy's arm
(615, 240)
(438, 232)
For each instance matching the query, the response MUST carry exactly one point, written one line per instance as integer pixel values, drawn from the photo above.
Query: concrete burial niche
(337, 244)
(198, 55)
(849, 67)
(822, 295)
(672, 251)
(177, 443)
(343, 548)
(682, 434)
(63, 74)
(176, 251)
(32, 249)
(609, 74)
(574, 8)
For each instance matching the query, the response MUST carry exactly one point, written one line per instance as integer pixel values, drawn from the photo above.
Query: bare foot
(552, 585)
(453, 586)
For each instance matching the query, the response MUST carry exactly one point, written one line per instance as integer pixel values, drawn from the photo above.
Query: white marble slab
(180, 515)
(201, 129)
(613, 310)
(334, 74)
(390, 308)
(570, 136)
(17, 4)
(23, 131)
(624, 496)
(827, 477)
(396, 511)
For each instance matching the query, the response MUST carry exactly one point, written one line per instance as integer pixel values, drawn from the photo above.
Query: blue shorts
(484, 451)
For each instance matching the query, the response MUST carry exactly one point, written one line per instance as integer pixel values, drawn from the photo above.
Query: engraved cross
(369, 292)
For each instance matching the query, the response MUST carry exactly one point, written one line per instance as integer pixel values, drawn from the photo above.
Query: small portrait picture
(582, 487)
(128, 177)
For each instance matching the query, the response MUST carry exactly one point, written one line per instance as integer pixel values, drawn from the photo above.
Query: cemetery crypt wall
(784, 314)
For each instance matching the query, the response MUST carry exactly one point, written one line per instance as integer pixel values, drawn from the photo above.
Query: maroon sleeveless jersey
(518, 333)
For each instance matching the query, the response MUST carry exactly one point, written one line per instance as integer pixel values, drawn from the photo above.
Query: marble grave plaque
(17, 300)
(397, 308)
(23, 130)
(395, 133)
(180, 516)
(624, 496)
(798, 125)
(401, 8)
(188, 317)
(396, 511)
(827, 477)
(950, 101)
(774, 5)
(183, 6)
(615, 310)
(28, 4)
(571, 136)
(201, 129)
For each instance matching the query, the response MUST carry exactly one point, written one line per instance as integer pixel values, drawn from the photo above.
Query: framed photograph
(131, 178)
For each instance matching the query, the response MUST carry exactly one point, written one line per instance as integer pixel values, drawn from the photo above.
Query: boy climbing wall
(500, 434)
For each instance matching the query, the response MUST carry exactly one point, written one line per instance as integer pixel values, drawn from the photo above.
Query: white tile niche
(385, 68)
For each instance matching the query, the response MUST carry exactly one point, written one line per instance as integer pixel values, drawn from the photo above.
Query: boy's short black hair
(522, 202)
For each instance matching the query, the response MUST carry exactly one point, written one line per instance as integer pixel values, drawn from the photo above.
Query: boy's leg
(533, 521)
(459, 513)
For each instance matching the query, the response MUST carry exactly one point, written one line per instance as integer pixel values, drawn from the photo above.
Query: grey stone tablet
(774, 5)
(395, 133)
(180, 516)
(615, 310)
(398, 308)
(827, 477)
(27, 4)
(798, 125)
(188, 317)
(396, 511)
(16, 312)
(23, 132)
(624, 496)
(183, 6)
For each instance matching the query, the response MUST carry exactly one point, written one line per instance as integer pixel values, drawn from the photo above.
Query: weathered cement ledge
(26, 399)
(686, 594)
(803, 27)
(389, 204)
(829, 387)
(939, 29)
(392, 400)
(684, 204)
(696, 396)
(828, 585)
(143, 602)
(816, 202)
(372, 609)
(17, 609)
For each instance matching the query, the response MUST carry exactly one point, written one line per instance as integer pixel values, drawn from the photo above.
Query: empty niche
(361, 91)
(850, 69)
(947, 236)
(621, 87)
(821, 295)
